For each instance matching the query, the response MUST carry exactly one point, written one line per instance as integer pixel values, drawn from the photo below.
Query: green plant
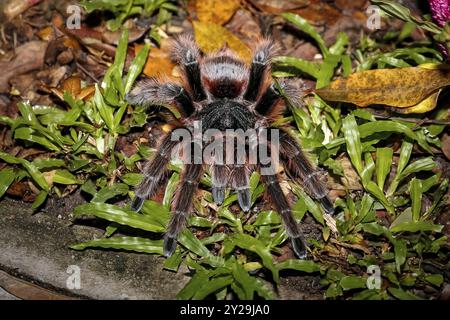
(123, 9)
(382, 222)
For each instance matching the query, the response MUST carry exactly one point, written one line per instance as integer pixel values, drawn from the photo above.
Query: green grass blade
(119, 215)
(299, 265)
(415, 190)
(124, 243)
(7, 177)
(249, 243)
(307, 28)
(212, 286)
(110, 192)
(353, 142)
(136, 67)
(383, 165)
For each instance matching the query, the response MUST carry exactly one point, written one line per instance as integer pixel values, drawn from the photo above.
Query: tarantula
(222, 92)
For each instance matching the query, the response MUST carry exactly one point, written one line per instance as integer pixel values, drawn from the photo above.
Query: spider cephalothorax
(222, 93)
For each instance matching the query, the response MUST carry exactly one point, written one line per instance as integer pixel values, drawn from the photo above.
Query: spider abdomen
(224, 77)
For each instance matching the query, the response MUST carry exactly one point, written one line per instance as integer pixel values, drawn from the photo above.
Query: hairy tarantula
(224, 93)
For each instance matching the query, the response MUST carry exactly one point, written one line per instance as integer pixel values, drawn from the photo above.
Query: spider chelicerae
(223, 94)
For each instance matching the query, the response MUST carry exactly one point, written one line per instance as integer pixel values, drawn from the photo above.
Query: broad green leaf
(124, 243)
(369, 169)
(400, 251)
(366, 206)
(170, 189)
(136, 67)
(415, 190)
(267, 218)
(106, 112)
(402, 295)
(247, 242)
(395, 9)
(416, 226)
(48, 163)
(435, 279)
(64, 177)
(312, 206)
(192, 287)
(119, 215)
(333, 291)
(307, 28)
(191, 242)
(132, 179)
(425, 164)
(40, 199)
(308, 67)
(405, 154)
(244, 281)
(353, 142)
(29, 134)
(327, 70)
(352, 282)
(110, 192)
(196, 221)
(373, 188)
(383, 165)
(173, 262)
(212, 286)
(371, 128)
(29, 167)
(299, 265)
(216, 237)
(7, 177)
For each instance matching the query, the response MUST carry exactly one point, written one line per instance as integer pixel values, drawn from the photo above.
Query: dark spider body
(224, 93)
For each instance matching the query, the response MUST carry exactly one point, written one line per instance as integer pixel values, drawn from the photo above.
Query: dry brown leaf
(86, 93)
(72, 85)
(446, 145)
(212, 37)
(216, 11)
(46, 33)
(28, 291)
(401, 87)
(30, 56)
(159, 62)
(277, 6)
(244, 25)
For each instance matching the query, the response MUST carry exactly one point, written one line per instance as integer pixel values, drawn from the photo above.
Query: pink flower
(440, 10)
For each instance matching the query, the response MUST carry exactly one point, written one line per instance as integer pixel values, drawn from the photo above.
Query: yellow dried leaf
(401, 88)
(71, 85)
(424, 106)
(212, 37)
(86, 93)
(216, 11)
(46, 33)
(159, 62)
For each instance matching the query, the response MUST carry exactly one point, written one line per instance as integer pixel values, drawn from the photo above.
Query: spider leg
(153, 172)
(240, 182)
(186, 52)
(272, 101)
(269, 100)
(298, 166)
(151, 92)
(181, 205)
(259, 69)
(282, 206)
(219, 181)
